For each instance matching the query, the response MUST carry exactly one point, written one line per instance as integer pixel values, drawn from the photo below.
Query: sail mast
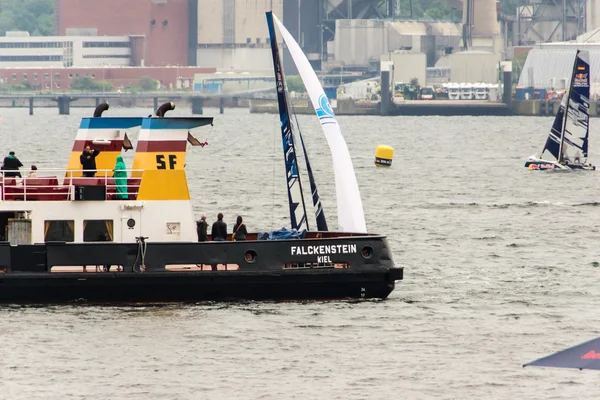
(295, 195)
(564, 124)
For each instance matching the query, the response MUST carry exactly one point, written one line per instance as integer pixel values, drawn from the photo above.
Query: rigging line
(273, 183)
(297, 124)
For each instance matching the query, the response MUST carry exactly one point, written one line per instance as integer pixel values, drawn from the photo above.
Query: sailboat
(350, 212)
(568, 138)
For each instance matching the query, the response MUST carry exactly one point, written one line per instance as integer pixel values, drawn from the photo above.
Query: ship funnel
(100, 109)
(162, 110)
(160, 155)
(107, 135)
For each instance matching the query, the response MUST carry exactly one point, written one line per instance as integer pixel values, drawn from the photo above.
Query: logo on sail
(324, 111)
(590, 355)
(580, 80)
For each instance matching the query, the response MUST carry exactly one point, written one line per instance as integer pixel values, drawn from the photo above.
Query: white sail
(351, 217)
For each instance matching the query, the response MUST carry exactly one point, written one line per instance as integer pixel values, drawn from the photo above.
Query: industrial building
(18, 49)
(541, 21)
(233, 34)
(549, 67)
(345, 39)
(168, 26)
(549, 64)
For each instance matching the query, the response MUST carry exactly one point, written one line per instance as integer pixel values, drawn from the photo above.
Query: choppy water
(501, 268)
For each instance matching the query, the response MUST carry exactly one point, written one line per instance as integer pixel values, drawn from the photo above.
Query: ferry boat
(101, 240)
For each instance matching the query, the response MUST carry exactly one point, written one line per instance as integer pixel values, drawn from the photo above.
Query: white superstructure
(150, 200)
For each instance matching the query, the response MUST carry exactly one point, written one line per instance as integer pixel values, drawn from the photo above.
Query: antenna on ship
(162, 110)
(100, 108)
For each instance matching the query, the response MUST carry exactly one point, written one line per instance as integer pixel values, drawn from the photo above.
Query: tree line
(33, 16)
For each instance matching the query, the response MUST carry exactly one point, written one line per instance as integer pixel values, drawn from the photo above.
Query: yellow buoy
(384, 155)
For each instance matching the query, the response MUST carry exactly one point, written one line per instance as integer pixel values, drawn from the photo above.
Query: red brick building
(169, 26)
(60, 79)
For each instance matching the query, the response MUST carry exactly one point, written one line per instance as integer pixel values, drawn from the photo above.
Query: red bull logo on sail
(580, 79)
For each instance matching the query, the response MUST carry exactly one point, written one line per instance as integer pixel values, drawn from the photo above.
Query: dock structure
(405, 108)
(450, 108)
(64, 103)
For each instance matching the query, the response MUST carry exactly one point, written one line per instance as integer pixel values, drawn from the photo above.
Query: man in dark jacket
(11, 165)
(201, 227)
(88, 161)
(219, 229)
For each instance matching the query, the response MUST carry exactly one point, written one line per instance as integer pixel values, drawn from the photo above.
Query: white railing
(60, 184)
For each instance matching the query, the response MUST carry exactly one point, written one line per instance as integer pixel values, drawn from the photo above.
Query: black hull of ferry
(362, 268)
(130, 288)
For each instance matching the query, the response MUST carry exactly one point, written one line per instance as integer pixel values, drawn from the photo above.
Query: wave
(527, 204)
(590, 204)
(493, 237)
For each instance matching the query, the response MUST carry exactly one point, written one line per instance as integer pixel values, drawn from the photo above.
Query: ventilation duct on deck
(100, 109)
(162, 110)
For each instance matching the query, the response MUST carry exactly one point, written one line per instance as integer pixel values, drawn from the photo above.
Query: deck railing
(61, 184)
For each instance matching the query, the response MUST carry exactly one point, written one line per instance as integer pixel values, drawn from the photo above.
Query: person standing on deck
(11, 165)
(120, 177)
(239, 230)
(88, 161)
(219, 229)
(219, 234)
(201, 227)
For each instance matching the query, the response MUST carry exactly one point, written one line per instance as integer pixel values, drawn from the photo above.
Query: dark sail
(295, 196)
(554, 140)
(576, 128)
(583, 356)
(571, 125)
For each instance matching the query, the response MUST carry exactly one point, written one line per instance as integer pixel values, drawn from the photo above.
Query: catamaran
(568, 138)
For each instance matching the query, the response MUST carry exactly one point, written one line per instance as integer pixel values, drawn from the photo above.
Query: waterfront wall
(546, 107)
(304, 106)
(416, 108)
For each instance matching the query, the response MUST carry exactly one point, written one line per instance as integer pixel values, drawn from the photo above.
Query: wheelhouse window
(98, 230)
(59, 231)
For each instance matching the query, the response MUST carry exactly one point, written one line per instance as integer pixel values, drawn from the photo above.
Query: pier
(264, 103)
(406, 108)
(64, 101)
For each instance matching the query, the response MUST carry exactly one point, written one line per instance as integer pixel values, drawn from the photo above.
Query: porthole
(131, 223)
(366, 252)
(250, 256)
